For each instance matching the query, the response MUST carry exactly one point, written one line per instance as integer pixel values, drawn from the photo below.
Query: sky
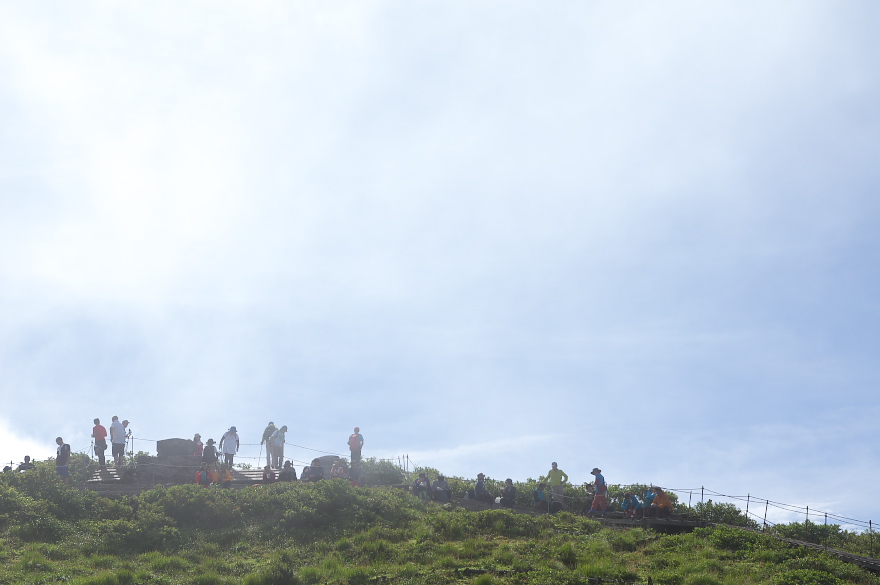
(639, 236)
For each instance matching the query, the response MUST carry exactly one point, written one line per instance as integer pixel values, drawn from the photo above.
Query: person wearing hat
(557, 480)
(355, 444)
(267, 434)
(288, 473)
(508, 494)
(600, 503)
(229, 445)
(209, 455)
(480, 492)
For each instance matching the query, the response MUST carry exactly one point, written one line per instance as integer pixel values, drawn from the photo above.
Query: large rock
(175, 448)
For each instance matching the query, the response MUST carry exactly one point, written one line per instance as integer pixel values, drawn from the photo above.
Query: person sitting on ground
(662, 505)
(337, 471)
(440, 491)
(508, 494)
(630, 504)
(288, 473)
(204, 477)
(26, 464)
(224, 478)
(647, 501)
(539, 497)
(480, 492)
(599, 499)
(421, 486)
(268, 475)
(315, 472)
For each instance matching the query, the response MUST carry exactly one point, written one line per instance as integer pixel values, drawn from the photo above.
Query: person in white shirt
(117, 440)
(277, 442)
(229, 446)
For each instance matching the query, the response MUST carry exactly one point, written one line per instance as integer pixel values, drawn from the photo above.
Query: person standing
(355, 444)
(229, 445)
(599, 499)
(198, 446)
(557, 480)
(277, 442)
(99, 433)
(62, 460)
(209, 455)
(267, 434)
(117, 441)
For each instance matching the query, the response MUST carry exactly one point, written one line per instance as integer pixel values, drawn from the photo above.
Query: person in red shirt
(99, 433)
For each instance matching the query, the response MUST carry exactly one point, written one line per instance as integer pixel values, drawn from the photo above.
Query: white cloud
(643, 223)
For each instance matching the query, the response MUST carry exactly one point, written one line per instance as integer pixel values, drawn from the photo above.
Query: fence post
(871, 536)
(766, 505)
(826, 531)
(807, 526)
(748, 497)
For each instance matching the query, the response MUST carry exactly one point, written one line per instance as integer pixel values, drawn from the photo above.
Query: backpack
(354, 442)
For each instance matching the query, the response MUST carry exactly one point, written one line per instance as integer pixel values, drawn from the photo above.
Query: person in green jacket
(557, 480)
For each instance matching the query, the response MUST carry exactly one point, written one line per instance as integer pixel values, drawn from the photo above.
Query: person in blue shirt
(600, 503)
(630, 504)
(540, 498)
(647, 500)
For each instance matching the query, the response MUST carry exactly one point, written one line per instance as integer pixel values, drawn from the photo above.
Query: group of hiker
(655, 503)
(274, 440)
(208, 474)
(119, 433)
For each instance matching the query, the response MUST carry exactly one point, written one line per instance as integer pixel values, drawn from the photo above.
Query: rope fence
(405, 463)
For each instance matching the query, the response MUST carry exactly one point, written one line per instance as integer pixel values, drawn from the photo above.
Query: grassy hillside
(332, 533)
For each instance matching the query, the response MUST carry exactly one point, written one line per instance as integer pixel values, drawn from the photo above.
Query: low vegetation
(330, 532)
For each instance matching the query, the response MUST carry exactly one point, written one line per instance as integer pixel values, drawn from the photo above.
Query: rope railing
(703, 492)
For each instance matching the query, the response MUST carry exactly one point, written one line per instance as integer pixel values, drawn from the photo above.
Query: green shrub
(736, 539)
(804, 577)
(277, 575)
(568, 555)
